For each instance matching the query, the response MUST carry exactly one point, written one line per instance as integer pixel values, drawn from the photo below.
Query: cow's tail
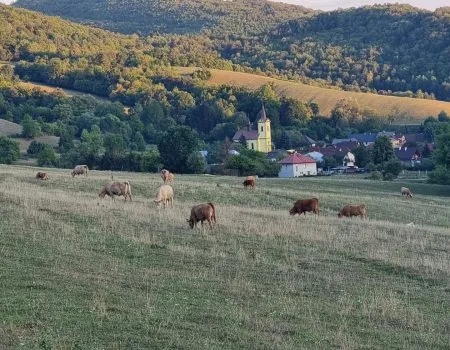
(128, 189)
(214, 211)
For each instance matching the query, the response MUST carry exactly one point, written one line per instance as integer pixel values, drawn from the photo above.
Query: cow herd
(207, 211)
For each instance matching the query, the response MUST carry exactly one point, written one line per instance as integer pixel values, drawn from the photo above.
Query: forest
(387, 49)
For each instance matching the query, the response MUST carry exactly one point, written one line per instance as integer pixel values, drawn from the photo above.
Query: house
(275, 155)
(366, 139)
(296, 165)
(349, 160)
(408, 155)
(260, 139)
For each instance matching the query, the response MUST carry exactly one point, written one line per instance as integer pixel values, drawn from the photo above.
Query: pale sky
(334, 4)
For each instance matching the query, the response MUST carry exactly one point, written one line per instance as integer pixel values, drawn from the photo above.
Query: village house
(296, 165)
(409, 156)
(257, 140)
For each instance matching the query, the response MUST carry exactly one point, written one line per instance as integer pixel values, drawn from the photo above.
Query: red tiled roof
(297, 158)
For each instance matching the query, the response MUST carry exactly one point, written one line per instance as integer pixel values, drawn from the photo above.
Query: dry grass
(50, 89)
(80, 272)
(406, 110)
(8, 128)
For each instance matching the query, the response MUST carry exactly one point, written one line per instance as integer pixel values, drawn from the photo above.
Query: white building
(296, 165)
(349, 160)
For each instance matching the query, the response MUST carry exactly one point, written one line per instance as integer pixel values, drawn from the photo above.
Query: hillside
(388, 48)
(165, 16)
(404, 110)
(80, 272)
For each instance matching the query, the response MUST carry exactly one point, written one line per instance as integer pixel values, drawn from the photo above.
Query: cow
(202, 212)
(304, 205)
(167, 176)
(80, 170)
(116, 189)
(41, 175)
(406, 192)
(249, 183)
(353, 210)
(165, 195)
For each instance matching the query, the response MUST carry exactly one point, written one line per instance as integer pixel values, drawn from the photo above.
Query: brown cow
(304, 205)
(249, 183)
(202, 212)
(354, 210)
(80, 170)
(167, 176)
(406, 192)
(116, 189)
(165, 195)
(41, 175)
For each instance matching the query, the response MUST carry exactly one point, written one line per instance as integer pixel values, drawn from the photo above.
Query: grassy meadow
(406, 110)
(77, 272)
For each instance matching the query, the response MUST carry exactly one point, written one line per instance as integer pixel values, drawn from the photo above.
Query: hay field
(407, 110)
(77, 272)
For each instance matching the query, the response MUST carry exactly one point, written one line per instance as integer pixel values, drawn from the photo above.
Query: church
(260, 139)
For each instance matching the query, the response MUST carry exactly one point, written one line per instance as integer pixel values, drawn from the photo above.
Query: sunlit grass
(80, 272)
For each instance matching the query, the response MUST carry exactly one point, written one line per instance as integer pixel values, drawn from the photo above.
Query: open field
(406, 110)
(77, 272)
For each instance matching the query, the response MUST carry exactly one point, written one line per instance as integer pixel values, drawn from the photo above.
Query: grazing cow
(249, 183)
(165, 195)
(354, 210)
(406, 192)
(116, 189)
(80, 170)
(202, 212)
(250, 177)
(41, 175)
(304, 205)
(167, 176)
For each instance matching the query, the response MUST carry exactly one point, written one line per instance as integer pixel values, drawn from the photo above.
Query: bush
(47, 156)
(34, 148)
(391, 169)
(196, 164)
(440, 175)
(374, 175)
(9, 150)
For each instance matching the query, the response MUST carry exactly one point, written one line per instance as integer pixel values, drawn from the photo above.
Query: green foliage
(151, 161)
(250, 162)
(47, 156)
(375, 175)
(391, 169)
(9, 150)
(382, 151)
(202, 74)
(30, 127)
(139, 141)
(362, 156)
(440, 175)
(196, 164)
(34, 148)
(175, 147)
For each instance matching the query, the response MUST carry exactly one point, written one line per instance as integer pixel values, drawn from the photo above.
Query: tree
(140, 142)
(382, 150)
(30, 127)
(391, 169)
(346, 112)
(9, 150)
(93, 140)
(47, 156)
(442, 156)
(150, 160)
(34, 148)
(196, 163)
(362, 156)
(285, 141)
(176, 145)
(443, 116)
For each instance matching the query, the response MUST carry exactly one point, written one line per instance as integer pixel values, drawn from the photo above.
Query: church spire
(263, 114)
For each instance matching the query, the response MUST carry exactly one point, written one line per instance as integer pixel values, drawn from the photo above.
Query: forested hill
(168, 16)
(378, 48)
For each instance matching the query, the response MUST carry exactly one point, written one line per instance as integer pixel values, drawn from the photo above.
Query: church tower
(264, 133)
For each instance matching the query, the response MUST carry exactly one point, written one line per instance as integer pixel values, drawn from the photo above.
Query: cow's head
(292, 211)
(191, 222)
(339, 215)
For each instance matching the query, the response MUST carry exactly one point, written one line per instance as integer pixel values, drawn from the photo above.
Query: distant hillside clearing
(404, 109)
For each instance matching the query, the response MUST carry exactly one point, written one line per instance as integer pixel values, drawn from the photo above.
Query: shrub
(34, 148)
(9, 150)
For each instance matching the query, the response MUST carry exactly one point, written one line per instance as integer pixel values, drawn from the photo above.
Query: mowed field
(77, 272)
(406, 110)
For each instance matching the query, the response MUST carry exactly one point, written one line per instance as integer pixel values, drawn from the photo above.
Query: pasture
(405, 110)
(77, 272)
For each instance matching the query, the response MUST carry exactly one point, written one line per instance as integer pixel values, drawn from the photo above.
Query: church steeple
(263, 114)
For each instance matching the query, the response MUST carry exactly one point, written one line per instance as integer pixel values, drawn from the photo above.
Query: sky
(334, 4)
